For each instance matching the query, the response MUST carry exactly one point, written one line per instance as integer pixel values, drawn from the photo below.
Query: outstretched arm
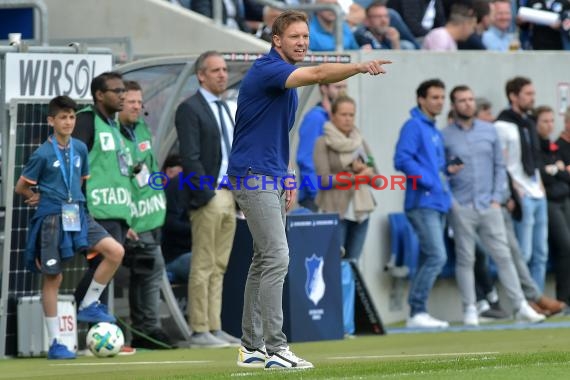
(333, 72)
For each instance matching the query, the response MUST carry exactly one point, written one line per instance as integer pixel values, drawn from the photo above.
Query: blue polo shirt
(43, 169)
(265, 115)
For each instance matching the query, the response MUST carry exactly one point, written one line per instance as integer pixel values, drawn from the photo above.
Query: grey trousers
(488, 225)
(264, 209)
(529, 287)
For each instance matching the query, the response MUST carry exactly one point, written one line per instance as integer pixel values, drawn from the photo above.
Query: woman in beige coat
(340, 156)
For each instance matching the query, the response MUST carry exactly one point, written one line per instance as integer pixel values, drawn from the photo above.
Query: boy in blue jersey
(61, 226)
(260, 151)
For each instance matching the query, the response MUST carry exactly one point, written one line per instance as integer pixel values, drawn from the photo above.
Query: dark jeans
(559, 238)
(429, 226)
(146, 265)
(353, 235)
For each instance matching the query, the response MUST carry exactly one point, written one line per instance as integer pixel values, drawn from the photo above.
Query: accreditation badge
(70, 218)
(143, 176)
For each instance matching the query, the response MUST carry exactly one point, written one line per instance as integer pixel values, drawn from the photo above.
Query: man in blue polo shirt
(266, 113)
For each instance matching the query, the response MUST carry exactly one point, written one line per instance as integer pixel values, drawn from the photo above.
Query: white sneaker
(285, 359)
(251, 359)
(470, 316)
(424, 320)
(527, 314)
(483, 306)
(206, 340)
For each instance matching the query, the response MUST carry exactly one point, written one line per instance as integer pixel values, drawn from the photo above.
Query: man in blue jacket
(420, 152)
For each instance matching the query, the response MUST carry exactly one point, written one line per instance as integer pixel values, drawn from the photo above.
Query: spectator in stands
(556, 179)
(484, 110)
(376, 31)
(233, 12)
(264, 29)
(482, 10)
(477, 183)
(420, 152)
(549, 37)
(420, 16)
(342, 149)
(521, 146)
(459, 27)
(204, 125)
(143, 256)
(498, 36)
(61, 213)
(312, 127)
(321, 29)
(176, 232)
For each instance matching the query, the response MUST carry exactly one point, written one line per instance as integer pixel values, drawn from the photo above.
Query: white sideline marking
(135, 363)
(412, 355)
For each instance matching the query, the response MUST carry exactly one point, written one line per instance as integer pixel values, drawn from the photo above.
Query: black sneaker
(158, 341)
(495, 312)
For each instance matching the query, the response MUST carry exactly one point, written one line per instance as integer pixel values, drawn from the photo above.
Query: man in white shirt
(519, 140)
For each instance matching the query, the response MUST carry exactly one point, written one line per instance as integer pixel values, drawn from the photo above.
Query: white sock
(93, 293)
(52, 324)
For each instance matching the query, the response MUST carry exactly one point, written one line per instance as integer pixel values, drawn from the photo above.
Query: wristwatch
(291, 172)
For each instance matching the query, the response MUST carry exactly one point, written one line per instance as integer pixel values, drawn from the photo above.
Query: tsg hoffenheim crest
(315, 285)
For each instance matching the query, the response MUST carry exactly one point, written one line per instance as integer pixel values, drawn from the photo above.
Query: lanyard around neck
(68, 180)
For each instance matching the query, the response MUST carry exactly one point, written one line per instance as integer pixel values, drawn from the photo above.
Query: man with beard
(377, 31)
(420, 153)
(109, 186)
(478, 190)
(521, 148)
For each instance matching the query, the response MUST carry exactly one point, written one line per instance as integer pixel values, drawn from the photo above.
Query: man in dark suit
(233, 12)
(205, 129)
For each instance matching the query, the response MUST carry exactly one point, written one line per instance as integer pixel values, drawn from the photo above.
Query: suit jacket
(200, 148)
(205, 7)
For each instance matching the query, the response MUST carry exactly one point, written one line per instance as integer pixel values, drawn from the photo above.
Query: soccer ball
(105, 339)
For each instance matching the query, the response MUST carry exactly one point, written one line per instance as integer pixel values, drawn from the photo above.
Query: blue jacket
(69, 242)
(420, 152)
(312, 127)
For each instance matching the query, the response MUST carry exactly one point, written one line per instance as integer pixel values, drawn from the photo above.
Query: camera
(137, 168)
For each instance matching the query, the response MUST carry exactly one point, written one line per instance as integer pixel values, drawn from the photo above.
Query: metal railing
(39, 7)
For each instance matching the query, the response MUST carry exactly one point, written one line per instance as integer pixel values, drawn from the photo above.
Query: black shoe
(495, 312)
(158, 341)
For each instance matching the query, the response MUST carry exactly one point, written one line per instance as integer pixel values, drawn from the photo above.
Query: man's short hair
(199, 65)
(131, 85)
(99, 83)
(515, 85)
(285, 19)
(482, 104)
(61, 103)
(422, 90)
(482, 8)
(376, 4)
(457, 89)
(542, 109)
(460, 13)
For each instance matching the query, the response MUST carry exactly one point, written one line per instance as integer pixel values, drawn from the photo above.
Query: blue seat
(405, 247)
